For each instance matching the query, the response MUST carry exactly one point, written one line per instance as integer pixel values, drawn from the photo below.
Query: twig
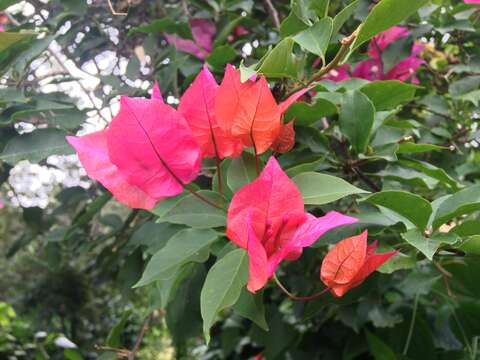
(273, 13)
(144, 329)
(112, 10)
(298, 298)
(185, 10)
(342, 52)
(84, 89)
(366, 179)
(412, 325)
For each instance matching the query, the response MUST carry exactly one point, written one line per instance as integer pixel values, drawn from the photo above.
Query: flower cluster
(374, 68)
(152, 151)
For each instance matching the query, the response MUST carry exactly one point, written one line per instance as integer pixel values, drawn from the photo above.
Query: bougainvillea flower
(148, 152)
(373, 68)
(203, 32)
(338, 74)
(93, 154)
(350, 262)
(285, 139)
(472, 1)
(248, 110)
(267, 218)
(197, 105)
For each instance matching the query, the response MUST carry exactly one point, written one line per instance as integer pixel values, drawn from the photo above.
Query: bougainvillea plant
(263, 179)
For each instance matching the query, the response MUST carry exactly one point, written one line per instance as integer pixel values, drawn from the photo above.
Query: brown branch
(112, 10)
(136, 347)
(273, 13)
(342, 52)
(366, 179)
(295, 297)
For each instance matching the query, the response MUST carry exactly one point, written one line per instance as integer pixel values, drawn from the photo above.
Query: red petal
(283, 106)
(341, 265)
(198, 107)
(153, 147)
(93, 154)
(285, 140)
(248, 111)
(257, 256)
(268, 198)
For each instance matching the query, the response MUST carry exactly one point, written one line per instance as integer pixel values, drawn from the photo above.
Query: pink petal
(283, 106)
(338, 74)
(380, 42)
(405, 69)
(315, 227)
(257, 256)
(153, 147)
(93, 154)
(197, 105)
(268, 199)
(472, 1)
(371, 69)
(203, 32)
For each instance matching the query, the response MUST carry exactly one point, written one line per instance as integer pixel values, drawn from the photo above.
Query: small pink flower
(338, 74)
(372, 69)
(472, 1)
(203, 32)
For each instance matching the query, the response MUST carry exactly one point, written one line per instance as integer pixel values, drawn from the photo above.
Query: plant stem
(219, 174)
(298, 298)
(412, 324)
(144, 329)
(203, 198)
(342, 52)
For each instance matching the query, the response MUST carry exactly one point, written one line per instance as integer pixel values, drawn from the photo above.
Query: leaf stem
(298, 298)
(219, 174)
(203, 198)
(412, 324)
(342, 52)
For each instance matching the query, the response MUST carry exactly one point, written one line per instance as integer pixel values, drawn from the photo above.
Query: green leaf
(281, 61)
(36, 146)
(379, 349)
(114, 338)
(9, 38)
(241, 171)
(384, 15)
(167, 25)
(193, 212)
(223, 286)
(221, 55)
(343, 16)
(432, 171)
(428, 246)
(251, 306)
(413, 148)
(153, 235)
(460, 203)
(399, 262)
(471, 245)
(6, 3)
(291, 25)
(467, 228)
(183, 313)
(357, 115)
(185, 246)
(411, 206)
(320, 7)
(316, 38)
(388, 94)
(307, 114)
(318, 189)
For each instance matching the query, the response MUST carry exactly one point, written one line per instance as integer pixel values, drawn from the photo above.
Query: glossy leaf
(413, 207)
(356, 118)
(389, 93)
(315, 39)
(318, 189)
(460, 203)
(185, 246)
(223, 286)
